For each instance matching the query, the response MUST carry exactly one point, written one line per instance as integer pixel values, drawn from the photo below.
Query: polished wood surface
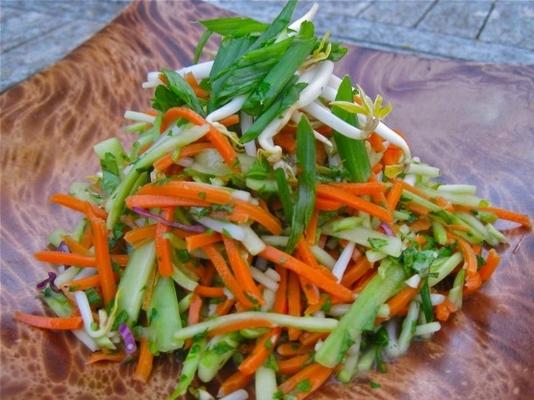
(474, 121)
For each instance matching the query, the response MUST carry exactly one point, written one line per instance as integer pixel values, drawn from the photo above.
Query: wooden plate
(474, 121)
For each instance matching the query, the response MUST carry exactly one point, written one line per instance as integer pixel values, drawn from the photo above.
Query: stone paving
(36, 33)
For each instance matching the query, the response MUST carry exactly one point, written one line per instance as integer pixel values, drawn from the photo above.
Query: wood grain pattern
(474, 121)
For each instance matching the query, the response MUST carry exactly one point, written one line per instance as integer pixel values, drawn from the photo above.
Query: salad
(265, 220)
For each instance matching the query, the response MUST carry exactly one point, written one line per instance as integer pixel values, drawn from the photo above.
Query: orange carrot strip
(492, 262)
(141, 235)
(108, 285)
(54, 323)
(309, 338)
(308, 372)
(101, 356)
(190, 78)
(310, 290)
(226, 275)
(187, 151)
(260, 352)
(163, 247)
(401, 300)
(231, 120)
(356, 272)
(201, 239)
(350, 200)
(224, 307)
(219, 141)
(319, 377)
(457, 227)
(293, 349)
(420, 239)
(188, 190)
(241, 270)
(286, 139)
(155, 201)
(85, 283)
(422, 224)
(444, 310)
(121, 259)
(58, 257)
(501, 213)
(73, 203)
(76, 247)
(376, 142)
(360, 189)
(364, 281)
(394, 195)
(417, 208)
(258, 214)
(87, 237)
(209, 291)
(294, 306)
(292, 365)
(377, 168)
(234, 382)
(144, 363)
(316, 276)
(470, 259)
(237, 326)
(392, 155)
(414, 190)
(311, 229)
(194, 310)
(327, 205)
(280, 300)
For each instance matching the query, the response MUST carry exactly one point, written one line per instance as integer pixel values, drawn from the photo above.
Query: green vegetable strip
(278, 25)
(278, 77)
(219, 351)
(287, 98)
(200, 46)
(366, 360)
(456, 293)
(440, 269)
(164, 316)
(265, 383)
(352, 152)
(284, 193)
(134, 281)
(350, 364)
(176, 92)
(440, 235)
(408, 327)
(57, 302)
(233, 26)
(306, 159)
(426, 302)
(190, 366)
(310, 324)
(362, 313)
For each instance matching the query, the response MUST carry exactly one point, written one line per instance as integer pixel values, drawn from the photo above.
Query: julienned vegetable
(267, 220)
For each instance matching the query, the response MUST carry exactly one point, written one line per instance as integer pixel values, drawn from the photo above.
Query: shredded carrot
(294, 305)
(224, 307)
(401, 300)
(392, 155)
(108, 285)
(444, 310)
(313, 308)
(189, 190)
(76, 204)
(280, 300)
(226, 275)
(101, 356)
(156, 201)
(209, 291)
(187, 151)
(362, 283)
(315, 373)
(138, 236)
(310, 290)
(241, 270)
(293, 349)
(234, 382)
(414, 190)
(201, 239)
(286, 139)
(311, 228)
(144, 363)
(163, 247)
(377, 168)
(261, 351)
(121, 259)
(292, 365)
(194, 310)
(85, 283)
(327, 205)
(417, 208)
(492, 262)
(377, 143)
(315, 276)
(422, 224)
(394, 194)
(76, 247)
(360, 189)
(87, 237)
(38, 321)
(60, 258)
(501, 213)
(334, 193)
(309, 338)
(237, 326)
(202, 93)
(356, 272)
(457, 227)
(219, 141)
(420, 240)
(260, 215)
(470, 259)
(231, 120)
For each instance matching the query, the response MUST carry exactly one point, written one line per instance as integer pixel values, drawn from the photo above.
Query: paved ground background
(36, 33)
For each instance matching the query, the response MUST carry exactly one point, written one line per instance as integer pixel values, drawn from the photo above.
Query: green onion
(352, 152)
(362, 313)
(284, 193)
(93, 297)
(233, 26)
(350, 364)
(426, 302)
(305, 204)
(278, 25)
(200, 46)
(189, 367)
(366, 360)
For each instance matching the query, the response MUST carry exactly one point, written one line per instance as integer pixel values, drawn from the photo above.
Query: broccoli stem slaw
(266, 220)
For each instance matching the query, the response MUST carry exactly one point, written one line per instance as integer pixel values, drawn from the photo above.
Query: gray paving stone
(93, 10)
(21, 26)
(6, 12)
(458, 18)
(511, 23)
(403, 13)
(25, 60)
